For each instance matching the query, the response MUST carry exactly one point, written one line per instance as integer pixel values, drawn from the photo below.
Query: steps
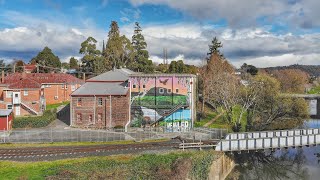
(168, 113)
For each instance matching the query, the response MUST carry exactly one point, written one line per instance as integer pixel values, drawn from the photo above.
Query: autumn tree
(292, 80)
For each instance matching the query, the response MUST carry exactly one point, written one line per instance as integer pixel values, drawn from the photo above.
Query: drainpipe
(110, 119)
(126, 127)
(94, 110)
(8, 123)
(71, 111)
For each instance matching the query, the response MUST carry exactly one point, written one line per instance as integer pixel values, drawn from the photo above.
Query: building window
(62, 86)
(99, 117)
(9, 106)
(9, 94)
(144, 86)
(100, 101)
(25, 93)
(134, 86)
(56, 97)
(73, 87)
(79, 117)
(161, 90)
(90, 118)
(177, 90)
(66, 86)
(169, 91)
(79, 102)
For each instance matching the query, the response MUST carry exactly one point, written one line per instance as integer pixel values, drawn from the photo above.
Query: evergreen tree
(214, 48)
(46, 58)
(141, 57)
(91, 54)
(114, 48)
(73, 63)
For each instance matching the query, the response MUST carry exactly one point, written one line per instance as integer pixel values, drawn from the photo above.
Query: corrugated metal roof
(113, 75)
(162, 75)
(5, 112)
(102, 88)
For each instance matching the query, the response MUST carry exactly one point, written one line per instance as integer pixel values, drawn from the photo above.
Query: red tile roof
(30, 67)
(35, 80)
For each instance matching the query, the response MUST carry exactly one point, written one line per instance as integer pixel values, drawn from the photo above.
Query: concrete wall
(221, 168)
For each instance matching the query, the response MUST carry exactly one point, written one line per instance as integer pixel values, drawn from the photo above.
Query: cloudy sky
(258, 32)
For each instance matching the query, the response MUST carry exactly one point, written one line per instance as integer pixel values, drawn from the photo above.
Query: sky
(259, 32)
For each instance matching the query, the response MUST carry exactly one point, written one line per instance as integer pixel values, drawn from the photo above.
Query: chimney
(2, 76)
(84, 76)
(24, 75)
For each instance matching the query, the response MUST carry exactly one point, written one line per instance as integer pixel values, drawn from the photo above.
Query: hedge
(35, 121)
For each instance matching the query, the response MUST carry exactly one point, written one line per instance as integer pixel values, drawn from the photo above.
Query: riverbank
(173, 165)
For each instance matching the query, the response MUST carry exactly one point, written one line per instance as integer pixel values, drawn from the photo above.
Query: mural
(162, 100)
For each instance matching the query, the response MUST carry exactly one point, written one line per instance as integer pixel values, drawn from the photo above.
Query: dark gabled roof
(115, 75)
(101, 88)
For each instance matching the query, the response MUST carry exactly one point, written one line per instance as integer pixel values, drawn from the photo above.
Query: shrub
(35, 121)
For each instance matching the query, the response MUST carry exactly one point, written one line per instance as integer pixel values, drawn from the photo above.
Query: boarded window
(99, 117)
(79, 117)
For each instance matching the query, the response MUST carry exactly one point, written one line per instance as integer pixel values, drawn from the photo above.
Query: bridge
(269, 140)
(314, 103)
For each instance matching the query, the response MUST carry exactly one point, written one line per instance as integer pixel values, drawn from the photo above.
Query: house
(29, 93)
(123, 98)
(30, 68)
(6, 117)
(103, 101)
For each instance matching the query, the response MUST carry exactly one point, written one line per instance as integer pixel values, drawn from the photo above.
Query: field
(148, 166)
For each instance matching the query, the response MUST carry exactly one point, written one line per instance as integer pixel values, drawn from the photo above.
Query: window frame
(62, 86)
(25, 92)
(177, 90)
(9, 95)
(73, 87)
(9, 105)
(161, 91)
(100, 103)
(169, 91)
(79, 117)
(134, 86)
(79, 102)
(90, 118)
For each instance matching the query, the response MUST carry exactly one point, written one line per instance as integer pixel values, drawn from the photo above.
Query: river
(291, 163)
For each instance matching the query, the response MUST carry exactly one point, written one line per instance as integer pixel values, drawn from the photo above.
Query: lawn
(182, 165)
(53, 106)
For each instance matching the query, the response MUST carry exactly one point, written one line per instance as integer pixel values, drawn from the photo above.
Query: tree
(249, 69)
(73, 63)
(47, 58)
(65, 65)
(214, 48)
(114, 51)
(91, 54)
(141, 57)
(292, 80)
(19, 65)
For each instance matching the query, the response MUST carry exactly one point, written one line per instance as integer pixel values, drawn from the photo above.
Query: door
(17, 110)
(16, 98)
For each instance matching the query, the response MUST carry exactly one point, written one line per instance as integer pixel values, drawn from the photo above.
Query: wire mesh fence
(87, 135)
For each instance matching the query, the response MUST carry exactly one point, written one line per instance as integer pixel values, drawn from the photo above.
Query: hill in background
(312, 70)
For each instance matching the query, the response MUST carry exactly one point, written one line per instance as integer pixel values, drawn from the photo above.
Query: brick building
(29, 93)
(124, 98)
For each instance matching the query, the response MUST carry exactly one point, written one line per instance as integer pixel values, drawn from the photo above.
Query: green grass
(315, 90)
(23, 145)
(208, 118)
(148, 166)
(53, 106)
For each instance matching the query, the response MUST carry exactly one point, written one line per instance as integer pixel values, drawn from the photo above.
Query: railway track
(53, 153)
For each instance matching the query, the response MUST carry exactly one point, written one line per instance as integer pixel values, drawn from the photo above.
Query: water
(291, 163)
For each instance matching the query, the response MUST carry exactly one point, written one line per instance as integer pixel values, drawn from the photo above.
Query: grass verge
(54, 106)
(174, 165)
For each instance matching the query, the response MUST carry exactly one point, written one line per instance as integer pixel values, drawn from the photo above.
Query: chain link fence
(87, 135)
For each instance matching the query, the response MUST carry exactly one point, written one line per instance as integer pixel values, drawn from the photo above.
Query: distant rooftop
(113, 75)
